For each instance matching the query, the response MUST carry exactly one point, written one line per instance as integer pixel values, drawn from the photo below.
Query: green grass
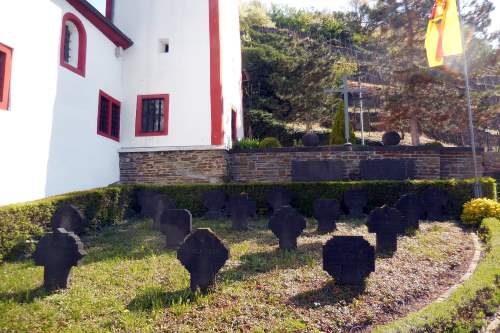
(466, 309)
(130, 282)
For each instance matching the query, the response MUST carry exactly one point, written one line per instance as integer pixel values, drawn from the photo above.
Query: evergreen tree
(337, 135)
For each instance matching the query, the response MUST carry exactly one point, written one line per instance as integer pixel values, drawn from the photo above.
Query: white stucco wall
(231, 67)
(183, 73)
(48, 139)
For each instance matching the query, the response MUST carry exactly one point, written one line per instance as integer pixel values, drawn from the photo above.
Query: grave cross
(287, 224)
(176, 224)
(348, 259)
(326, 212)
(58, 252)
(203, 254)
(241, 208)
(387, 223)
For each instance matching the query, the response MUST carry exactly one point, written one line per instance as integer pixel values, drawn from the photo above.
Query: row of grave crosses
(349, 259)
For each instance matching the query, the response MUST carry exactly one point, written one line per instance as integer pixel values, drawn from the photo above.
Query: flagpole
(478, 192)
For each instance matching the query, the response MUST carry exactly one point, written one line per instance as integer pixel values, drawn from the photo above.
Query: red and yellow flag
(444, 36)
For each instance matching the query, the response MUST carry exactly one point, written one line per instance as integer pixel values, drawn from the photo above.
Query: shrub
(478, 209)
(264, 125)
(21, 223)
(337, 135)
(433, 144)
(246, 144)
(270, 142)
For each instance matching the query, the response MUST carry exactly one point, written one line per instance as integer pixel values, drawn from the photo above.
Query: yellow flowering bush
(478, 209)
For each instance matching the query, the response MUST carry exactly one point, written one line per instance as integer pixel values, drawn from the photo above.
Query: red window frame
(234, 125)
(5, 77)
(111, 101)
(82, 44)
(138, 116)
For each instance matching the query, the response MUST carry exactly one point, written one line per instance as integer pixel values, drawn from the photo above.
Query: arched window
(73, 44)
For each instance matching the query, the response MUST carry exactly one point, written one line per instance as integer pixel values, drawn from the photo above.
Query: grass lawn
(129, 282)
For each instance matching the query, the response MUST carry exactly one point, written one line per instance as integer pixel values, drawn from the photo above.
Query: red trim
(138, 115)
(5, 83)
(82, 44)
(102, 23)
(111, 101)
(215, 74)
(109, 9)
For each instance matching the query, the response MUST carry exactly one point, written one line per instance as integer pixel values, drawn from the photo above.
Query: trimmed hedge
(466, 309)
(24, 222)
(21, 223)
(304, 194)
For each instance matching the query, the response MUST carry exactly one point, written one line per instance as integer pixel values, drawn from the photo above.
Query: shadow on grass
(263, 262)
(154, 298)
(329, 294)
(25, 296)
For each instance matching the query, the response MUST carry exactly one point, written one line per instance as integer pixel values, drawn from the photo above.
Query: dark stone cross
(176, 224)
(435, 201)
(241, 208)
(215, 201)
(58, 252)
(203, 254)
(160, 203)
(348, 259)
(287, 224)
(355, 201)
(278, 198)
(326, 212)
(145, 202)
(411, 207)
(387, 223)
(69, 218)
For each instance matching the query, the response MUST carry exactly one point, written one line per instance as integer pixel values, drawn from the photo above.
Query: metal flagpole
(346, 109)
(361, 112)
(478, 192)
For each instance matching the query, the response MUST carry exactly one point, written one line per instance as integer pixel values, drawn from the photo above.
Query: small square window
(152, 115)
(5, 73)
(164, 46)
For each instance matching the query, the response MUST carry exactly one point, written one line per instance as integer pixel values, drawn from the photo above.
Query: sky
(341, 5)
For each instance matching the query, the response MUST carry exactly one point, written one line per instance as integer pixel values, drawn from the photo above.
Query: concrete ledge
(168, 148)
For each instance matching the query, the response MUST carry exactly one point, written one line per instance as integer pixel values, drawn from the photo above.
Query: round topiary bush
(311, 139)
(391, 138)
(478, 209)
(270, 143)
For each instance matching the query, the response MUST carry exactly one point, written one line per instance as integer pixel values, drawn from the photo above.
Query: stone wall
(174, 167)
(275, 165)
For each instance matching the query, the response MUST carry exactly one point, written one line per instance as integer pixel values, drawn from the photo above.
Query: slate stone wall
(174, 167)
(275, 164)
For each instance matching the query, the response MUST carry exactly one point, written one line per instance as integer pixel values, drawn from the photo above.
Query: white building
(77, 87)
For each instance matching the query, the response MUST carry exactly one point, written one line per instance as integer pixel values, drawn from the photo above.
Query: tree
(399, 28)
(337, 134)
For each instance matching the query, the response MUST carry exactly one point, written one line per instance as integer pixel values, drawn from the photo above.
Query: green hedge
(466, 309)
(304, 194)
(21, 223)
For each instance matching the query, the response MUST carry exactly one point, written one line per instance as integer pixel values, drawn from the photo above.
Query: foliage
(478, 209)
(464, 311)
(25, 222)
(270, 142)
(417, 98)
(22, 223)
(246, 144)
(290, 64)
(337, 135)
(262, 124)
